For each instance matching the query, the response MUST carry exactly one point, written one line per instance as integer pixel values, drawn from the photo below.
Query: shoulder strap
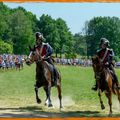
(41, 49)
(104, 55)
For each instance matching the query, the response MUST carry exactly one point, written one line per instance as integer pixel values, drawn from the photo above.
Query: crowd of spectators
(76, 61)
(8, 61)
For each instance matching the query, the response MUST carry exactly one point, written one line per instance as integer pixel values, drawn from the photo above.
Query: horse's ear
(34, 48)
(30, 48)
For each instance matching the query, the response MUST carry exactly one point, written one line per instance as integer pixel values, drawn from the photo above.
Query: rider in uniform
(45, 50)
(106, 56)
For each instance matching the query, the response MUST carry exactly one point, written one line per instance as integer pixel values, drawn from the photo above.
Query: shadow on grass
(38, 112)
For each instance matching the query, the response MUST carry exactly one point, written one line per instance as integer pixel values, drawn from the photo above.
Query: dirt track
(70, 109)
(44, 112)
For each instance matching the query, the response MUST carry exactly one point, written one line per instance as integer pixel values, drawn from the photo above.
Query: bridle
(98, 67)
(34, 56)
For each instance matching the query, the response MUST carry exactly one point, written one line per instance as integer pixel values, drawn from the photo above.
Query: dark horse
(44, 77)
(105, 82)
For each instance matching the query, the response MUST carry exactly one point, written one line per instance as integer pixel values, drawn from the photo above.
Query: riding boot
(95, 87)
(55, 76)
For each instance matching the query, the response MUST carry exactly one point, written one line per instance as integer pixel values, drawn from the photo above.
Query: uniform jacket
(109, 56)
(46, 50)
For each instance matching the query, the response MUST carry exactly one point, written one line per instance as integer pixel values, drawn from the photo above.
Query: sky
(75, 14)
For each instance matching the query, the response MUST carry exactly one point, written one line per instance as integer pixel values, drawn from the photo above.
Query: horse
(44, 77)
(105, 82)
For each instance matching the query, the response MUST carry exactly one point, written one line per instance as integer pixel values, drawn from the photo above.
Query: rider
(46, 51)
(106, 56)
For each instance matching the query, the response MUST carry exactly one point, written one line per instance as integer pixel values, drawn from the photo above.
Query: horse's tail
(114, 90)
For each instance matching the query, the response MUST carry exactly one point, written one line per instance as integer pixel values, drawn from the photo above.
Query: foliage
(56, 32)
(80, 45)
(18, 27)
(22, 34)
(5, 47)
(98, 27)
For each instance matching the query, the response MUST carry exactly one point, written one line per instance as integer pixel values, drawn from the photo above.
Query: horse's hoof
(61, 107)
(102, 107)
(38, 101)
(50, 105)
(45, 104)
(110, 115)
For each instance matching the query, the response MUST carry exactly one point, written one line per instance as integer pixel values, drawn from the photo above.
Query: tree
(66, 38)
(22, 33)
(48, 27)
(80, 45)
(4, 18)
(108, 27)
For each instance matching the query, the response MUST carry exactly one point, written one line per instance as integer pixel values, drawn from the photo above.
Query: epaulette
(98, 50)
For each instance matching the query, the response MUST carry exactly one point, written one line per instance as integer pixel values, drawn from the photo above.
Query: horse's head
(96, 63)
(33, 56)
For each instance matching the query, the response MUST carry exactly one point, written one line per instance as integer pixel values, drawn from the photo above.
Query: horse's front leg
(46, 91)
(37, 97)
(109, 96)
(101, 102)
(49, 93)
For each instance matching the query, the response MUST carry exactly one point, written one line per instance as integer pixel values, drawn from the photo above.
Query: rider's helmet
(104, 41)
(39, 35)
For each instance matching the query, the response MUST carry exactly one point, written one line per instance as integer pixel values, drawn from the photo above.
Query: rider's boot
(55, 77)
(95, 87)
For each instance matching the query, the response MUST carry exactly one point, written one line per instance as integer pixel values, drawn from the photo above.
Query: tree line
(18, 27)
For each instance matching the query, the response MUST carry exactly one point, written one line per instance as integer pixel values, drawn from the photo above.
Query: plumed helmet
(104, 41)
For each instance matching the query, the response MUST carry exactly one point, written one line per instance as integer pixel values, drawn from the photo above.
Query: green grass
(17, 91)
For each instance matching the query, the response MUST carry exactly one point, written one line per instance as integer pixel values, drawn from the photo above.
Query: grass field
(17, 98)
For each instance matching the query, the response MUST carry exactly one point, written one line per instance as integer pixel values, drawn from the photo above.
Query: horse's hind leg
(59, 95)
(36, 92)
(109, 96)
(118, 94)
(101, 102)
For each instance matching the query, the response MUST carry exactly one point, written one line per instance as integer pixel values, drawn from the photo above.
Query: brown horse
(105, 82)
(44, 77)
